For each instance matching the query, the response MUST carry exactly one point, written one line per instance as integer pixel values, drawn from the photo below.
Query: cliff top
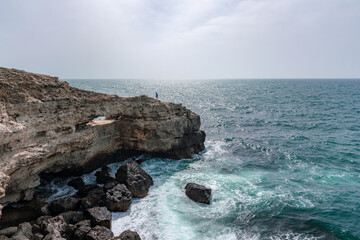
(17, 86)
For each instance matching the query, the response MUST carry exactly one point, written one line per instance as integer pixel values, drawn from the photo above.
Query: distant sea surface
(282, 158)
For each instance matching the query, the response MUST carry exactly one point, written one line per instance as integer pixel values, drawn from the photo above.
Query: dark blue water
(282, 158)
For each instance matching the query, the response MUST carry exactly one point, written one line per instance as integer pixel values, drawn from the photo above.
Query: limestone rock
(135, 179)
(118, 199)
(47, 126)
(99, 216)
(198, 193)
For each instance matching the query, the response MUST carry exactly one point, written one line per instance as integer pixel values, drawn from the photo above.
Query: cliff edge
(47, 126)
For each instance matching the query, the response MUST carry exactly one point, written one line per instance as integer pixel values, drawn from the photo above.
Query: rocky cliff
(47, 126)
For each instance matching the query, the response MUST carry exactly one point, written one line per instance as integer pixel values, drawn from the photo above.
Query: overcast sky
(182, 39)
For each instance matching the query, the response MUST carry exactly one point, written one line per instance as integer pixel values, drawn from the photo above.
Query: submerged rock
(135, 179)
(118, 199)
(198, 193)
(99, 216)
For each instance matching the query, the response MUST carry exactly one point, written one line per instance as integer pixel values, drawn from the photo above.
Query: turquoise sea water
(282, 158)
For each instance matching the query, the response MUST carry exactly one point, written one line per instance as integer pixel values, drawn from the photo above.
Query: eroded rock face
(46, 126)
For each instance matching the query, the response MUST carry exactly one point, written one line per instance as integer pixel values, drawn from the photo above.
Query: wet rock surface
(118, 199)
(198, 193)
(135, 179)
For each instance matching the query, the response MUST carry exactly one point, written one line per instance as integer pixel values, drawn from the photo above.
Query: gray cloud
(182, 38)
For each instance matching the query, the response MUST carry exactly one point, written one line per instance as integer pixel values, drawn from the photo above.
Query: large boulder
(99, 216)
(128, 235)
(118, 199)
(99, 233)
(95, 197)
(64, 205)
(135, 179)
(198, 193)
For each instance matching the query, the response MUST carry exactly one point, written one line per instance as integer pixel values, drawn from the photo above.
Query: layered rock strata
(47, 126)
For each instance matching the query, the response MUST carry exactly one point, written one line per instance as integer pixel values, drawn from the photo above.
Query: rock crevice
(47, 126)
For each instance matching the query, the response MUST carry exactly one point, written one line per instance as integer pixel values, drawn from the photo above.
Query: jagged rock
(198, 193)
(99, 233)
(46, 126)
(99, 216)
(82, 228)
(37, 236)
(77, 183)
(110, 185)
(72, 217)
(128, 235)
(103, 176)
(8, 232)
(24, 232)
(95, 197)
(53, 227)
(64, 205)
(135, 179)
(86, 189)
(118, 199)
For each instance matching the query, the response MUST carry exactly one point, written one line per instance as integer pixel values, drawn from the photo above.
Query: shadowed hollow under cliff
(47, 126)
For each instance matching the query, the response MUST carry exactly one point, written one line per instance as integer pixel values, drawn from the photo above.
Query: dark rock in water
(198, 193)
(24, 232)
(8, 232)
(128, 235)
(77, 183)
(86, 189)
(110, 185)
(72, 217)
(135, 178)
(99, 233)
(83, 228)
(64, 205)
(95, 197)
(103, 176)
(118, 199)
(53, 227)
(99, 216)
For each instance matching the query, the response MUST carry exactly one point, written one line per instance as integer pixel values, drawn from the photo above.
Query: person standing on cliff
(156, 95)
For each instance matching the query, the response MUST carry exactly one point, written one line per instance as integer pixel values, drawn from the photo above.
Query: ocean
(282, 159)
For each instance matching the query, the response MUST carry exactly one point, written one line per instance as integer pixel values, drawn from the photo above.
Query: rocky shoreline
(85, 215)
(50, 128)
